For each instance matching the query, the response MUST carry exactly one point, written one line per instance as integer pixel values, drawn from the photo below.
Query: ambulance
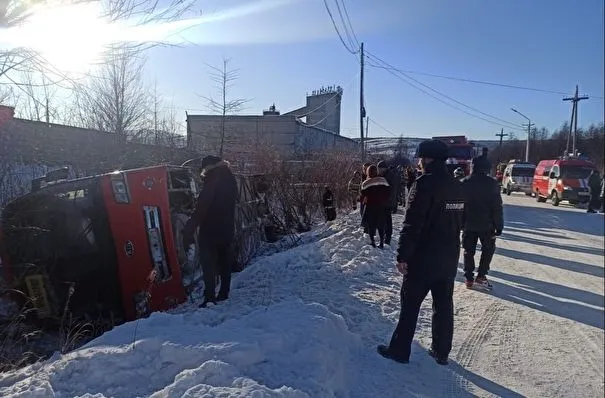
(518, 176)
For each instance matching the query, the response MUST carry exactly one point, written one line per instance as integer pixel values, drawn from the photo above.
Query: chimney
(6, 113)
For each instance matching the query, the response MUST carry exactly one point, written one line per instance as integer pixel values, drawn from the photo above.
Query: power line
(461, 79)
(344, 7)
(382, 127)
(406, 78)
(338, 31)
(444, 95)
(345, 25)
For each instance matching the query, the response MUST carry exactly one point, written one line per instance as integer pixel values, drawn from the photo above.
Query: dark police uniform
(430, 245)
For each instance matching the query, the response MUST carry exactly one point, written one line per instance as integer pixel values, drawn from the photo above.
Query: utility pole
(502, 134)
(367, 133)
(362, 110)
(529, 124)
(47, 112)
(574, 120)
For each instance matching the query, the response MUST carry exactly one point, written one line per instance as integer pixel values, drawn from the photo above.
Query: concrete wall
(247, 136)
(313, 140)
(29, 149)
(244, 135)
(324, 111)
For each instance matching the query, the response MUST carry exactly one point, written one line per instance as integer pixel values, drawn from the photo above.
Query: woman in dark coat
(375, 193)
(364, 176)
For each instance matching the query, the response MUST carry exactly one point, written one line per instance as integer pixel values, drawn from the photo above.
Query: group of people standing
(378, 190)
(439, 207)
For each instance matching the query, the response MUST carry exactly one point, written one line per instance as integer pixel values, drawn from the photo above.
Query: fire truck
(460, 152)
(109, 246)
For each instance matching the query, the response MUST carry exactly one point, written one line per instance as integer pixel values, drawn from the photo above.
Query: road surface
(540, 331)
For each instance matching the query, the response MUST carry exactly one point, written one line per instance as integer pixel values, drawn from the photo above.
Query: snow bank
(281, 334)
(303, 345)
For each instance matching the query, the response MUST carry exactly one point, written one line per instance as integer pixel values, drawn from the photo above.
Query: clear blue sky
(285, 49)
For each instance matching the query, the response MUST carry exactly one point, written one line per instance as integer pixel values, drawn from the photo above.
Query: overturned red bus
(104, 246)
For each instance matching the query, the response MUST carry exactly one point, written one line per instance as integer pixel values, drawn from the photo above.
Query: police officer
(483, 221)
(429, 247)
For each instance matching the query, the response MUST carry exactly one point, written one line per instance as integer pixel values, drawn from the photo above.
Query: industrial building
(310, 129)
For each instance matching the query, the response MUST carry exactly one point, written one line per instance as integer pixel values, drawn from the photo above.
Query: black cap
(382, 165)
(480, 163)
(210, 161)
(432, 149)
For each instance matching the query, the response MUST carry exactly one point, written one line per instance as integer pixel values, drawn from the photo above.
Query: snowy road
(305, 323)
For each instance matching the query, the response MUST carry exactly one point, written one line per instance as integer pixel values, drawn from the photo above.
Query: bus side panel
(4, 263)
(147, 188)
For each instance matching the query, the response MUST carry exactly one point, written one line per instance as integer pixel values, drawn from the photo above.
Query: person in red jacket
(375, 193)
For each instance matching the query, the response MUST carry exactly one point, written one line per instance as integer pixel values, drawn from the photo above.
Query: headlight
(567, 188)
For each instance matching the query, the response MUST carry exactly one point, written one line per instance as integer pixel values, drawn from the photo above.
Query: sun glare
(70, 37)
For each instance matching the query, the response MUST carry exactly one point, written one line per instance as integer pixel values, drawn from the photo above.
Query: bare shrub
(295, 187)
(18, 340)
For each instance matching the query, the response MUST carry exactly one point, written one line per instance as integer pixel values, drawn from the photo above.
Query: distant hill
(388, 146)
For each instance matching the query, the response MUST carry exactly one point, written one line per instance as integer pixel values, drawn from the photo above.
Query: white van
(518, 177)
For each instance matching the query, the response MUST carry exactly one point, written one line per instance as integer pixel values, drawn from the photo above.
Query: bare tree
(117, 100)
(37, 101)
(6, 94)
(224, 79)
(21, 59)
(162, 125)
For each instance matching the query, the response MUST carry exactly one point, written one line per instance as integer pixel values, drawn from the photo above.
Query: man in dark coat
(429, 247)
(394, 181)
(214, 218)
(594, 184)
(327, 201)
(483, 221)
(375, 193)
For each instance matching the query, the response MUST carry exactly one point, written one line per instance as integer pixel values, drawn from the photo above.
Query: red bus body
(147, 188)
(128, 242)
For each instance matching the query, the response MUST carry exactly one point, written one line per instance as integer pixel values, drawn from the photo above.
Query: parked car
(518, 177)
(562, 180)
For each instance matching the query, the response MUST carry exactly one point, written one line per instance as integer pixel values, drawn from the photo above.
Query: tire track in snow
(470, 347)
(595, 344)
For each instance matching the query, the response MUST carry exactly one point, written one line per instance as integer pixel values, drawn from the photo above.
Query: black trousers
(330, 213)
(488, 248)
(413, 293)
(595, 202)
(216, 263)
(376, 221)
(388, 224)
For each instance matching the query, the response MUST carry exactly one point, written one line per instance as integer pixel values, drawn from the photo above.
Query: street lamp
(528, 133)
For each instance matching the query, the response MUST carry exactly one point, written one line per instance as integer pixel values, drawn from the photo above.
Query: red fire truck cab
(460, 152)
(102, 246)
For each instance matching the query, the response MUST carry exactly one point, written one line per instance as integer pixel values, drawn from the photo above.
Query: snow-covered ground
(305, 323)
